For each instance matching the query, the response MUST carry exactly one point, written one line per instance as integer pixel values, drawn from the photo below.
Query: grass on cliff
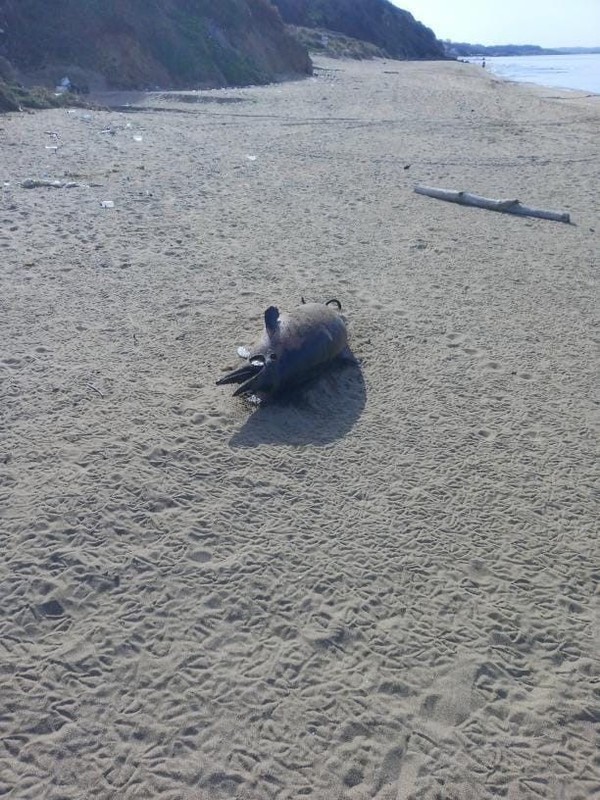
(16, 98)
(333, 44)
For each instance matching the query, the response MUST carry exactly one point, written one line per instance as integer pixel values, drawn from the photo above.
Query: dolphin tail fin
(243, 373)
(252, 385)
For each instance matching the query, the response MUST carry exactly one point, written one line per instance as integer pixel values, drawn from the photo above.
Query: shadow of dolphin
(318, 412)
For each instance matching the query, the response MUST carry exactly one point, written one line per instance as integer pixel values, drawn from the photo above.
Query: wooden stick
(506, 206)
(95, 388)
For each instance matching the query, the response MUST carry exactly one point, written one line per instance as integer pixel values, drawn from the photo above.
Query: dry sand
(387, 588)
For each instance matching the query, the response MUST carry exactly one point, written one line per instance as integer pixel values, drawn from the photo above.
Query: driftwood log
(506, 206)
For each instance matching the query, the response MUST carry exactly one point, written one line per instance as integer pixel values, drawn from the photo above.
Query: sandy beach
(386, 587)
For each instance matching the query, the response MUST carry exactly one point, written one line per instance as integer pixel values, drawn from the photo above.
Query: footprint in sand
(200, 556)
(51, 609)
(491, 366)
(486, 434)
(353, 777)
(455, 339)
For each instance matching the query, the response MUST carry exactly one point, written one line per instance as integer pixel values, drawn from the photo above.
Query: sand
(385, 588)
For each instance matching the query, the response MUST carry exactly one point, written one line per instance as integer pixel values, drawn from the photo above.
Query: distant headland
(465, 50)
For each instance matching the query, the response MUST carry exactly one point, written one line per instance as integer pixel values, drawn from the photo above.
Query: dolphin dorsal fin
(272, 320)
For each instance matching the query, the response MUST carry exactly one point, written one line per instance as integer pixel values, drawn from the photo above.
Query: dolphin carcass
(294, 345)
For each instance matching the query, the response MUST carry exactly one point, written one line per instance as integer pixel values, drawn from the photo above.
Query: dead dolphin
(292, 347)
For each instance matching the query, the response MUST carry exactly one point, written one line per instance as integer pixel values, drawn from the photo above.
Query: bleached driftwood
(33, 183)
(506, 206)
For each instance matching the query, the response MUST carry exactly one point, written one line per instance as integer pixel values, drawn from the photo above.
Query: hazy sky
(549, 23)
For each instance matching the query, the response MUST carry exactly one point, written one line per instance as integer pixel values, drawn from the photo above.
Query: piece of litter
(31, 183)
(107, 204)
(138, 139)
(63, 86)
(44, 183)
(251, 158)
(52, 147)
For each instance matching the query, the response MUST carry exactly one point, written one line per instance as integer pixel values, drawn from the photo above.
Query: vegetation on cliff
(335, 45)
(14, 97)
(393, 30)
(148, 43)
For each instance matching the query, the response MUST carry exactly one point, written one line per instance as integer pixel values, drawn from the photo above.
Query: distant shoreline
(578, 72)
(460, 50)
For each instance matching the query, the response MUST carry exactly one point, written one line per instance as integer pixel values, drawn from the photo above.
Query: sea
(581, 71)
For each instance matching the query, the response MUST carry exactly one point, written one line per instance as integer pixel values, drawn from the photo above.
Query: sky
(548, 23)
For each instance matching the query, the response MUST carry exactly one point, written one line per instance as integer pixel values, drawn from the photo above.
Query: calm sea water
(564, 72)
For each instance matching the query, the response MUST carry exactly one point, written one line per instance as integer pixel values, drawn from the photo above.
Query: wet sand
(386, 587)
